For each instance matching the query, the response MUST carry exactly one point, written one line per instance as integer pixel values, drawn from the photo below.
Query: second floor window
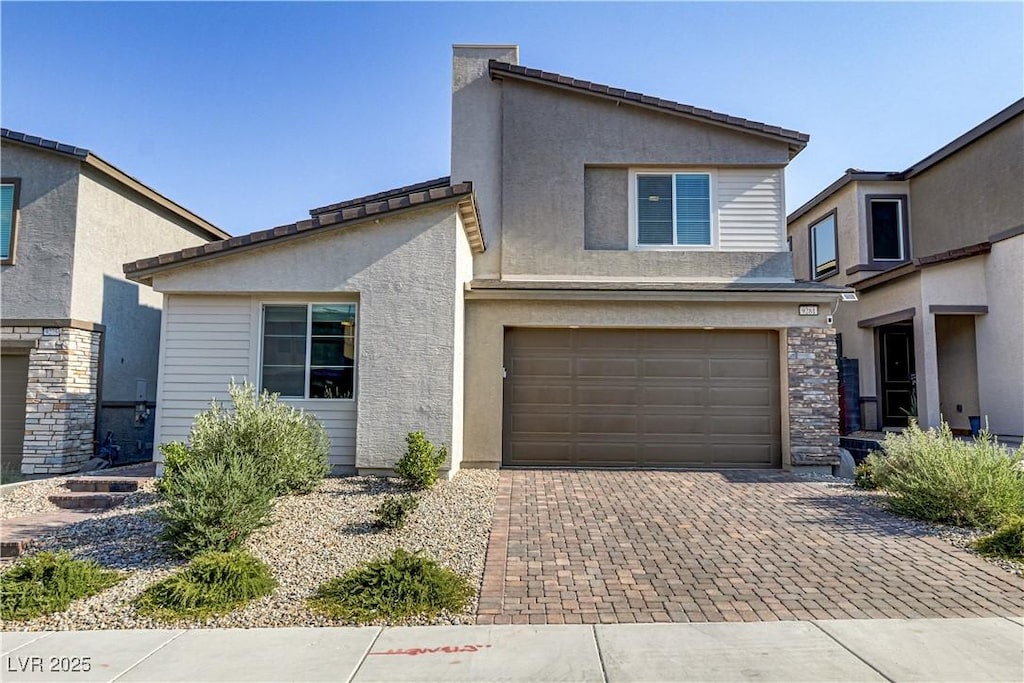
(309, 350)
(673, 210)
(8, 218)
(886, 229)
(824, 261)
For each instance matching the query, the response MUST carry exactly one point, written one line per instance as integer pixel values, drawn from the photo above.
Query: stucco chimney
(476, 140)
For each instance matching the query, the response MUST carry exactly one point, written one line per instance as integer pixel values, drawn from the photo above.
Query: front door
(896, 351)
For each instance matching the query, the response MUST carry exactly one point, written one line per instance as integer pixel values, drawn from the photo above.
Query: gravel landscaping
(311, 539)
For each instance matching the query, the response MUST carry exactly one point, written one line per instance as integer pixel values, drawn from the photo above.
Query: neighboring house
(603, 281)
(78, 341)
(936, 255)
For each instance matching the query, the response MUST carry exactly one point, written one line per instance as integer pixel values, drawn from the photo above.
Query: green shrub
(936, 477)
(864, 475)
(215, 503)
(176, 456)
(422, 461)
(1007, 541)
(290, 445)
(402, 585)
(212, 583)
(392, 512)
(48, 582)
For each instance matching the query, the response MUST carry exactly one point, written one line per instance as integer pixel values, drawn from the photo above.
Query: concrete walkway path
(982, 649)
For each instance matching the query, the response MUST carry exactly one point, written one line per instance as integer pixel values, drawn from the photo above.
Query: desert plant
(212, 583)
(1006, 541)
(422, 461)
(864, 475)
(403, 585)
(937, 477)
(176, 456)
(48, 582)
(215, 503)
(289, 445)
(392, 513)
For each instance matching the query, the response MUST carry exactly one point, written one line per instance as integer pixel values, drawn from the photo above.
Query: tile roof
(443, 181)
(352, 213)
(796, 139)
(52, 145)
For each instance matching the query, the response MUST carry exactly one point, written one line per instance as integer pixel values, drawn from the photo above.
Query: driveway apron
(629, 546)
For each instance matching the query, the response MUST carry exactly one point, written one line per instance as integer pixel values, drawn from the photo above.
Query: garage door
(641, 398)
(13, 382)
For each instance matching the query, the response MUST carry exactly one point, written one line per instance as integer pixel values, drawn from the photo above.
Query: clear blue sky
(250, 114)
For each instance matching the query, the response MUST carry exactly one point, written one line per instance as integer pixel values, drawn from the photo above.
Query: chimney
(476, 140)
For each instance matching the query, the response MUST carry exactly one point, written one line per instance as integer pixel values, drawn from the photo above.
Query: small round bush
(47, 582)
(213, 583)
(422, 461)
(215, 503)
(1007, 541)
(392, 513)
(403, 585)
(864, 475)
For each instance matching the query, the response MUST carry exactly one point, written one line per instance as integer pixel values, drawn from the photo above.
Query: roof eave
(796, 142)
(461, 194)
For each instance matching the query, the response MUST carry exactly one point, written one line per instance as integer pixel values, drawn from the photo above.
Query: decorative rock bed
(311, 539)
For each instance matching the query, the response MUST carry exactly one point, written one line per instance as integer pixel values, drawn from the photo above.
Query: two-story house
(78, 341)
(936, 255)
(603, 280)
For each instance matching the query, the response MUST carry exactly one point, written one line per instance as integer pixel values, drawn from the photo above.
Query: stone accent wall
(813, 396)
(60, 401)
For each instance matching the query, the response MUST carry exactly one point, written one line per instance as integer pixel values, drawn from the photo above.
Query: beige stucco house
(603, 280)
(936, 255)
(78, 341)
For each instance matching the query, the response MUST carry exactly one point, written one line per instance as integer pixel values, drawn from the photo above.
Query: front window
(8, 218)
(823, 247)
(885, 227)
(309, 350)
(673, 209)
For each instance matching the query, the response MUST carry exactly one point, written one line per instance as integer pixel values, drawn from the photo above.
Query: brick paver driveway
(572, 546)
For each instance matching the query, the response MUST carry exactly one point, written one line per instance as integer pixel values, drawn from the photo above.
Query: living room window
(672, 210)
(309, 350)
(824, 252)
(887, 228)
(9, 191)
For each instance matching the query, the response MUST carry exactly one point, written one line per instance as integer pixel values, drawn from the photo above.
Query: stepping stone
(87, 500)
(103, 484)
(18, 533)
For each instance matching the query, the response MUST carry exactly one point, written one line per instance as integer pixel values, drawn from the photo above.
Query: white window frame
(713, 208)
(834, 215)
(309, 346)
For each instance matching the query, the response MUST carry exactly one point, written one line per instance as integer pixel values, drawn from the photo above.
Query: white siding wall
(751, 216)
(210, 340)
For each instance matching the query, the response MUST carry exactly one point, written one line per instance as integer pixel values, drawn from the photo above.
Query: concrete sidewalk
(988, 649)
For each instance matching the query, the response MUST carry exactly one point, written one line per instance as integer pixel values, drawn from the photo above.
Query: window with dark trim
(10, 189)
(309, 350)
(824, 247)
(887, 228)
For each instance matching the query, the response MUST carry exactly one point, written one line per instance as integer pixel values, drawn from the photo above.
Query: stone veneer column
(60, 401)
(813, 396)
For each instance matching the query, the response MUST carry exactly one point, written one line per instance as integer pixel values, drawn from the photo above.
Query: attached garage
(13, 383)
(642, 398)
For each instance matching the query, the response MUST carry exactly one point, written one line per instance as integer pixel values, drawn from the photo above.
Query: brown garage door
(13, 382)
(641, 398)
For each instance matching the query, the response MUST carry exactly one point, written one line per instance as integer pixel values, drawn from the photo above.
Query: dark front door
(896, 350)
